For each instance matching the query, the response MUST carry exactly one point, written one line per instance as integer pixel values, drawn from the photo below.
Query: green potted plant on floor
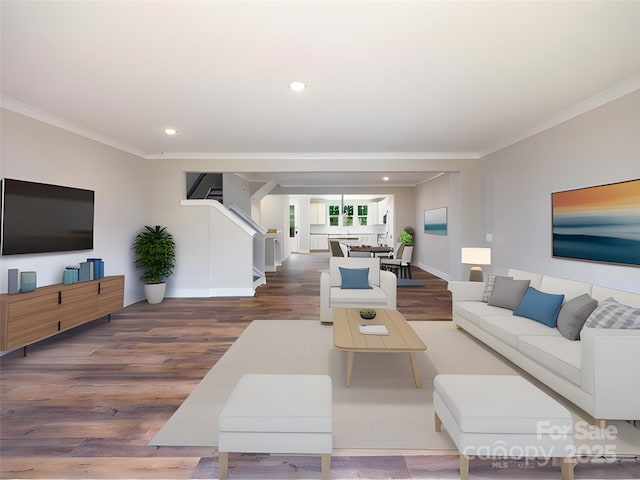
(155, 252)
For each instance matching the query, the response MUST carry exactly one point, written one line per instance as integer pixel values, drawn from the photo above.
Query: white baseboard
(210, 292)
(433, 271)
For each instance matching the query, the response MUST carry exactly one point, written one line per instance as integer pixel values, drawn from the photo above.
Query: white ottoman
(288, 414)
(502, 416)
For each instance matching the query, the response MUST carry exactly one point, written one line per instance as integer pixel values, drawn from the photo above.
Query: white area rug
(381, 410)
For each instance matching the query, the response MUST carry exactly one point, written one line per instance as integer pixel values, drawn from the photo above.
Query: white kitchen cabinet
(319, 242)
(317, 213)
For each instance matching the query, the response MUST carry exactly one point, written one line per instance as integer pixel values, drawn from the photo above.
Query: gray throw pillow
(573, 314)
(507, 292)
(488, 287)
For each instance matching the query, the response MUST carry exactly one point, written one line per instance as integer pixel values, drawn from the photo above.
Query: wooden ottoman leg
(438, 423)
(326, 466)
(464, 467)
(223, 464)
(566, 467)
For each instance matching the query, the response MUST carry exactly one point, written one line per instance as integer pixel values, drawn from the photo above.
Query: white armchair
(381, 295)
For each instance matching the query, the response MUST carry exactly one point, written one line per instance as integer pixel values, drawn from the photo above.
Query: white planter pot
(154, 292)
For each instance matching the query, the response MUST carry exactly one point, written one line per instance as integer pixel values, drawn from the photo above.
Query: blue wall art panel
(435, 221)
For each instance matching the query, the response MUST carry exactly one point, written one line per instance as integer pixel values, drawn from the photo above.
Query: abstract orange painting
(599, 223)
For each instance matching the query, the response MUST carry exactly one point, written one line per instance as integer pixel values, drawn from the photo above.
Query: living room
(497, 189)
(493, 195)
(590, 141)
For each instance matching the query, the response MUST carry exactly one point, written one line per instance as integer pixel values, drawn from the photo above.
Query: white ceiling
(396, 79)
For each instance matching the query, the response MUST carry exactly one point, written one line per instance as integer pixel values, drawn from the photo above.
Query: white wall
(598, 147)
(208, 239)
(461, 193)
(274, 213)
(236, 191)
(431, 252)
(35, 151)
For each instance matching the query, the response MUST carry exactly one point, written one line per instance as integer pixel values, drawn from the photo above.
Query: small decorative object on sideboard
(84, 273)
(92, 269)
(98, 267)
(71, 274)
(368, 313)
(13, 283)
(27, 281)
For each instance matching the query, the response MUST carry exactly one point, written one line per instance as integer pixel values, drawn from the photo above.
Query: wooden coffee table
(401, 337)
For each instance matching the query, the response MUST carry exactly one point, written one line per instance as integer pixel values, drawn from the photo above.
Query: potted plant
(155, 255)
(406, 237)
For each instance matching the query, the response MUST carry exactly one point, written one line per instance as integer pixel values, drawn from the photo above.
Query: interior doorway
(292, 241)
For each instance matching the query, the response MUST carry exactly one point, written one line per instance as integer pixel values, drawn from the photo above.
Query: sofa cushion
(534, 278)
(611, 314)
(573, 314)
(558, 354)
(357, 278)
(472, 310)
(506, 405)
(278, 403)
(509, 328)
(570, 288)
(539, 306)
(507, 292)
(488, 286)
(602, 293)
(373, 264)
(346, 298)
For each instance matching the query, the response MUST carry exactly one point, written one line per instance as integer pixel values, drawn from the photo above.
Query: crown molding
(621, 89)
(16, 106)
(316, 156)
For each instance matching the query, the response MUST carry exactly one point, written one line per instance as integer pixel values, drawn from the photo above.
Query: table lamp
(475, 257)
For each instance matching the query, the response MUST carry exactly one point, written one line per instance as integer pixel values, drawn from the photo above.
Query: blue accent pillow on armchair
(540, 306)
(355, 278)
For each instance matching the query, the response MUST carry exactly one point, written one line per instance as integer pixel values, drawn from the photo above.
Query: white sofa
(600, 372)
(382, 293)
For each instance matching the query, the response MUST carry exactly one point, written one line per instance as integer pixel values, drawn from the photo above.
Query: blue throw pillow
(540, 306)
(357, 278)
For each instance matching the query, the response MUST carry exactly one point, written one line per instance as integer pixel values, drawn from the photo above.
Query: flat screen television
(39, 218)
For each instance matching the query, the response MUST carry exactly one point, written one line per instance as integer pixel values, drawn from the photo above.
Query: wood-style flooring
(85, 403)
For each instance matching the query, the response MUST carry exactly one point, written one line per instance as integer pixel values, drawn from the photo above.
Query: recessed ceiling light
(170, 131)
(386, 179)
(297, 86)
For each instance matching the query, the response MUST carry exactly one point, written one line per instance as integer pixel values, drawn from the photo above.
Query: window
(347, 220)
(334, 215)
(292, 221)
(362, 214)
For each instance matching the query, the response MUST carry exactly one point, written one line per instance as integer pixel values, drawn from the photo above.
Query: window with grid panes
(334, 215)
(347, 220)
(362, 214)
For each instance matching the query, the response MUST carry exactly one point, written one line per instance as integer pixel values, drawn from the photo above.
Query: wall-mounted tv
(39, 218)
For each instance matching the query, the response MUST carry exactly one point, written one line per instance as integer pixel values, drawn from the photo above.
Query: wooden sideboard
(26, 318)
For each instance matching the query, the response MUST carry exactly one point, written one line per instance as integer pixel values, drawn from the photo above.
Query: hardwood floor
(85, 403)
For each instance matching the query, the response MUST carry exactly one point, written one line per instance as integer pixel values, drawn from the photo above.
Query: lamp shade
(476, 256)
